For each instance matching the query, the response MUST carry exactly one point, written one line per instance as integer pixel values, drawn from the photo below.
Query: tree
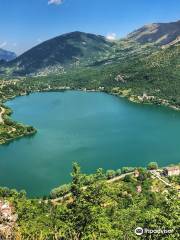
(152, 166)
(60, 191)
(118, 172)
(128, 178)
(110, 174)
(127, 169)
(100, 174)
(143, 174)
(76, 180)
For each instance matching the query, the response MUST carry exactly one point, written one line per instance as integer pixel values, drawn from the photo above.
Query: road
(154, 173)
(1, 113)
(115, 179)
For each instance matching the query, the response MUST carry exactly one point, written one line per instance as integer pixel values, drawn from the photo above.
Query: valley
(107, 105)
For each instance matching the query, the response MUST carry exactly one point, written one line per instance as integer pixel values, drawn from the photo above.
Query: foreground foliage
(99, 210)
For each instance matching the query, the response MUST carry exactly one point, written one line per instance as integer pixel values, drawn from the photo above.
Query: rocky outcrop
(157, 33)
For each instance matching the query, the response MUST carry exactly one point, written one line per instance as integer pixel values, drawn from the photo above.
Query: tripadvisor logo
(139, 231)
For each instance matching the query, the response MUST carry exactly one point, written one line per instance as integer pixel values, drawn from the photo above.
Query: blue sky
(25, 23)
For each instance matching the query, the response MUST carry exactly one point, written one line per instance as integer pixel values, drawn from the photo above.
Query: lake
(95, 129)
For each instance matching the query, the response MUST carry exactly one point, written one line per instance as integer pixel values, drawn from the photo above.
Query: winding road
(115, 179)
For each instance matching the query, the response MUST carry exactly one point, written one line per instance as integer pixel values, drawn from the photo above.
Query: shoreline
(9, 128)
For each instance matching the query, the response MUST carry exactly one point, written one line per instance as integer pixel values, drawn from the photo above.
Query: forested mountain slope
(67, 50)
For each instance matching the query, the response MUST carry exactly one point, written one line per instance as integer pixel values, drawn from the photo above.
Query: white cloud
(55, 2)
(111, 36)
(3, 44)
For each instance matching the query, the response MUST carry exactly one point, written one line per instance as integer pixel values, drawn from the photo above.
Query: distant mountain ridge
(79, 49)
(62, 51)
(158, 33)
(6, 55)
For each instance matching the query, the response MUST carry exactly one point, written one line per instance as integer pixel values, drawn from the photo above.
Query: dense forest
(93, 207)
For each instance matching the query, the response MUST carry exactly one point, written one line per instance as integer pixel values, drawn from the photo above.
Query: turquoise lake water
(95, 129)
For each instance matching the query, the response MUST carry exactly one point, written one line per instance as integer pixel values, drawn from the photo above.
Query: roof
(174, 168)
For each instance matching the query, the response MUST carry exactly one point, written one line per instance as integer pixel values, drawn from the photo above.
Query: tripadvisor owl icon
(139, 231)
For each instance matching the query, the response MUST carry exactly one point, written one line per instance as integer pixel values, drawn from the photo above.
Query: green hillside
(150, 71)
(65, 51)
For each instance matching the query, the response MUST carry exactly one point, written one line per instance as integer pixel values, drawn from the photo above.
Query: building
(1, 204)
(139, 189)
(5, 209)
(136, 173)
(172, 171)
(7, 220)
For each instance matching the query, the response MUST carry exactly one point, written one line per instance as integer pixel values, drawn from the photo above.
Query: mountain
(7, 55)
(158, 33)
(63, 51)
(77, 49)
